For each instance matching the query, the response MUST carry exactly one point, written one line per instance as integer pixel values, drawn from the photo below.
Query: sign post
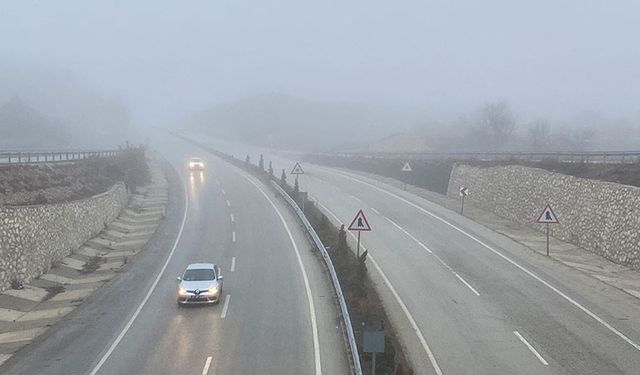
(406, 168)
(548, 217)
(297, 171)
(359, 224)
(464, 191)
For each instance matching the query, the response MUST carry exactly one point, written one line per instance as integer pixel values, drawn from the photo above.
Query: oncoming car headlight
(182, 291)
(213, 290)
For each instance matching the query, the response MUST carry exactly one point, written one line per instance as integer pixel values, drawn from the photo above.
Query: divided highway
(277, 314)
(469, 301)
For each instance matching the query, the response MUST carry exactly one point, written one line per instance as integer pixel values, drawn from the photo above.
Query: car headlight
(182, 291)
(213, 290)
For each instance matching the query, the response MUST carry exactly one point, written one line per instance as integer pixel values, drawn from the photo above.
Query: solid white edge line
(434, 255)
(312, 309)
(522, 268)
(531, 348)
(227, 298)
(233, 236)
(233, 264)
(205, 370)
(153, 286)
(405, 309)
(337, 219)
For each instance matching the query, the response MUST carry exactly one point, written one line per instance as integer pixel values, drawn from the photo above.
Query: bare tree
(539, 135)
(577, 139)
(496, 124)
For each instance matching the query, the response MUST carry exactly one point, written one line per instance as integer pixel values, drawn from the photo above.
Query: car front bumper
(189, 299)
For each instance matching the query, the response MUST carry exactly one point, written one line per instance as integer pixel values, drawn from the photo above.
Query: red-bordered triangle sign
(297, 169)
(548, 216)
(407, 167)
(360, 223)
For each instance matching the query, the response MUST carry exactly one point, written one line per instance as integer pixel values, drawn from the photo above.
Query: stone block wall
(32, 238)
(602, 217)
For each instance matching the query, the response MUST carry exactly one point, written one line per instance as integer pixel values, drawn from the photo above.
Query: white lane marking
(233, 219)
(205, 370)
(233, 264)
(312, 309)
(533, 350)
(435, 256)
(414, 325)
(228, 203)
(337, 219)
(233, 236)
(153, 287)
(522, 268)
(227, 298)
(223, 192)
(374, 210)
(410, 235)
(358, 199)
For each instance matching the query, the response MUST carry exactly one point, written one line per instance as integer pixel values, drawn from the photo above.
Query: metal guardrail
(334, 277)
(613, 157)
(26, 157)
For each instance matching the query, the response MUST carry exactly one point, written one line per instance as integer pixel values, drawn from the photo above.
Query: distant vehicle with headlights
(201, 283)
(196, 164)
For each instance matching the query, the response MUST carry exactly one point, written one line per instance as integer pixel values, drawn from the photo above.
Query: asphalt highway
(277, 313)
(467, 300)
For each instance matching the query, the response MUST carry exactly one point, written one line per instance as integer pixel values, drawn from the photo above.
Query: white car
(196, 164)
(200, 283)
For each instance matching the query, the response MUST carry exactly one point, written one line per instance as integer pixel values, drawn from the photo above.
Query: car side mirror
(219, 277)
(179, 278)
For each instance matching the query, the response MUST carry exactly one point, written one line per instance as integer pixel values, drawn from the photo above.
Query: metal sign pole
(547, 239)
(462, 207)
(358, 251)
(373, 363)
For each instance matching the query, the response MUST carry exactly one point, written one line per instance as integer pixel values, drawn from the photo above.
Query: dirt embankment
(22, 184)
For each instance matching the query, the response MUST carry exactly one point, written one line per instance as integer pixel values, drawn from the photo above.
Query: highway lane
(266, 322)
(274, 318)
(483, 303)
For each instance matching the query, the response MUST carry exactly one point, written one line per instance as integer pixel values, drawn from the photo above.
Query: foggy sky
(169, 58)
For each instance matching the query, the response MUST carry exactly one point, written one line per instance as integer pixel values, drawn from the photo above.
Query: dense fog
(358, 75)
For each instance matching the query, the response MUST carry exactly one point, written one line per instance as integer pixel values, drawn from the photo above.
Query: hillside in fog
(42, 108)
(282, 121)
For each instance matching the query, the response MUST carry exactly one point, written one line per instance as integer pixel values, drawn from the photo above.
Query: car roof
(198, 266)
(196, 159)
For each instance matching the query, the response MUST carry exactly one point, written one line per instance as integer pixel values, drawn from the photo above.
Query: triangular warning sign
(360, 223)
(297, 169)
(548, 216)
(407, 167)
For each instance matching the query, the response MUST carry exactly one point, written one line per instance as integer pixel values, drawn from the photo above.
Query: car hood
(202, 285)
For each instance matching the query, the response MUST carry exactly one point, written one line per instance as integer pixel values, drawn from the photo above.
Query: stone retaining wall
(32, 238)
(602, 217)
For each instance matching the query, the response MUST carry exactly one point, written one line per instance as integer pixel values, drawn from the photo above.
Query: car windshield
(196, 160)
(199, 275)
